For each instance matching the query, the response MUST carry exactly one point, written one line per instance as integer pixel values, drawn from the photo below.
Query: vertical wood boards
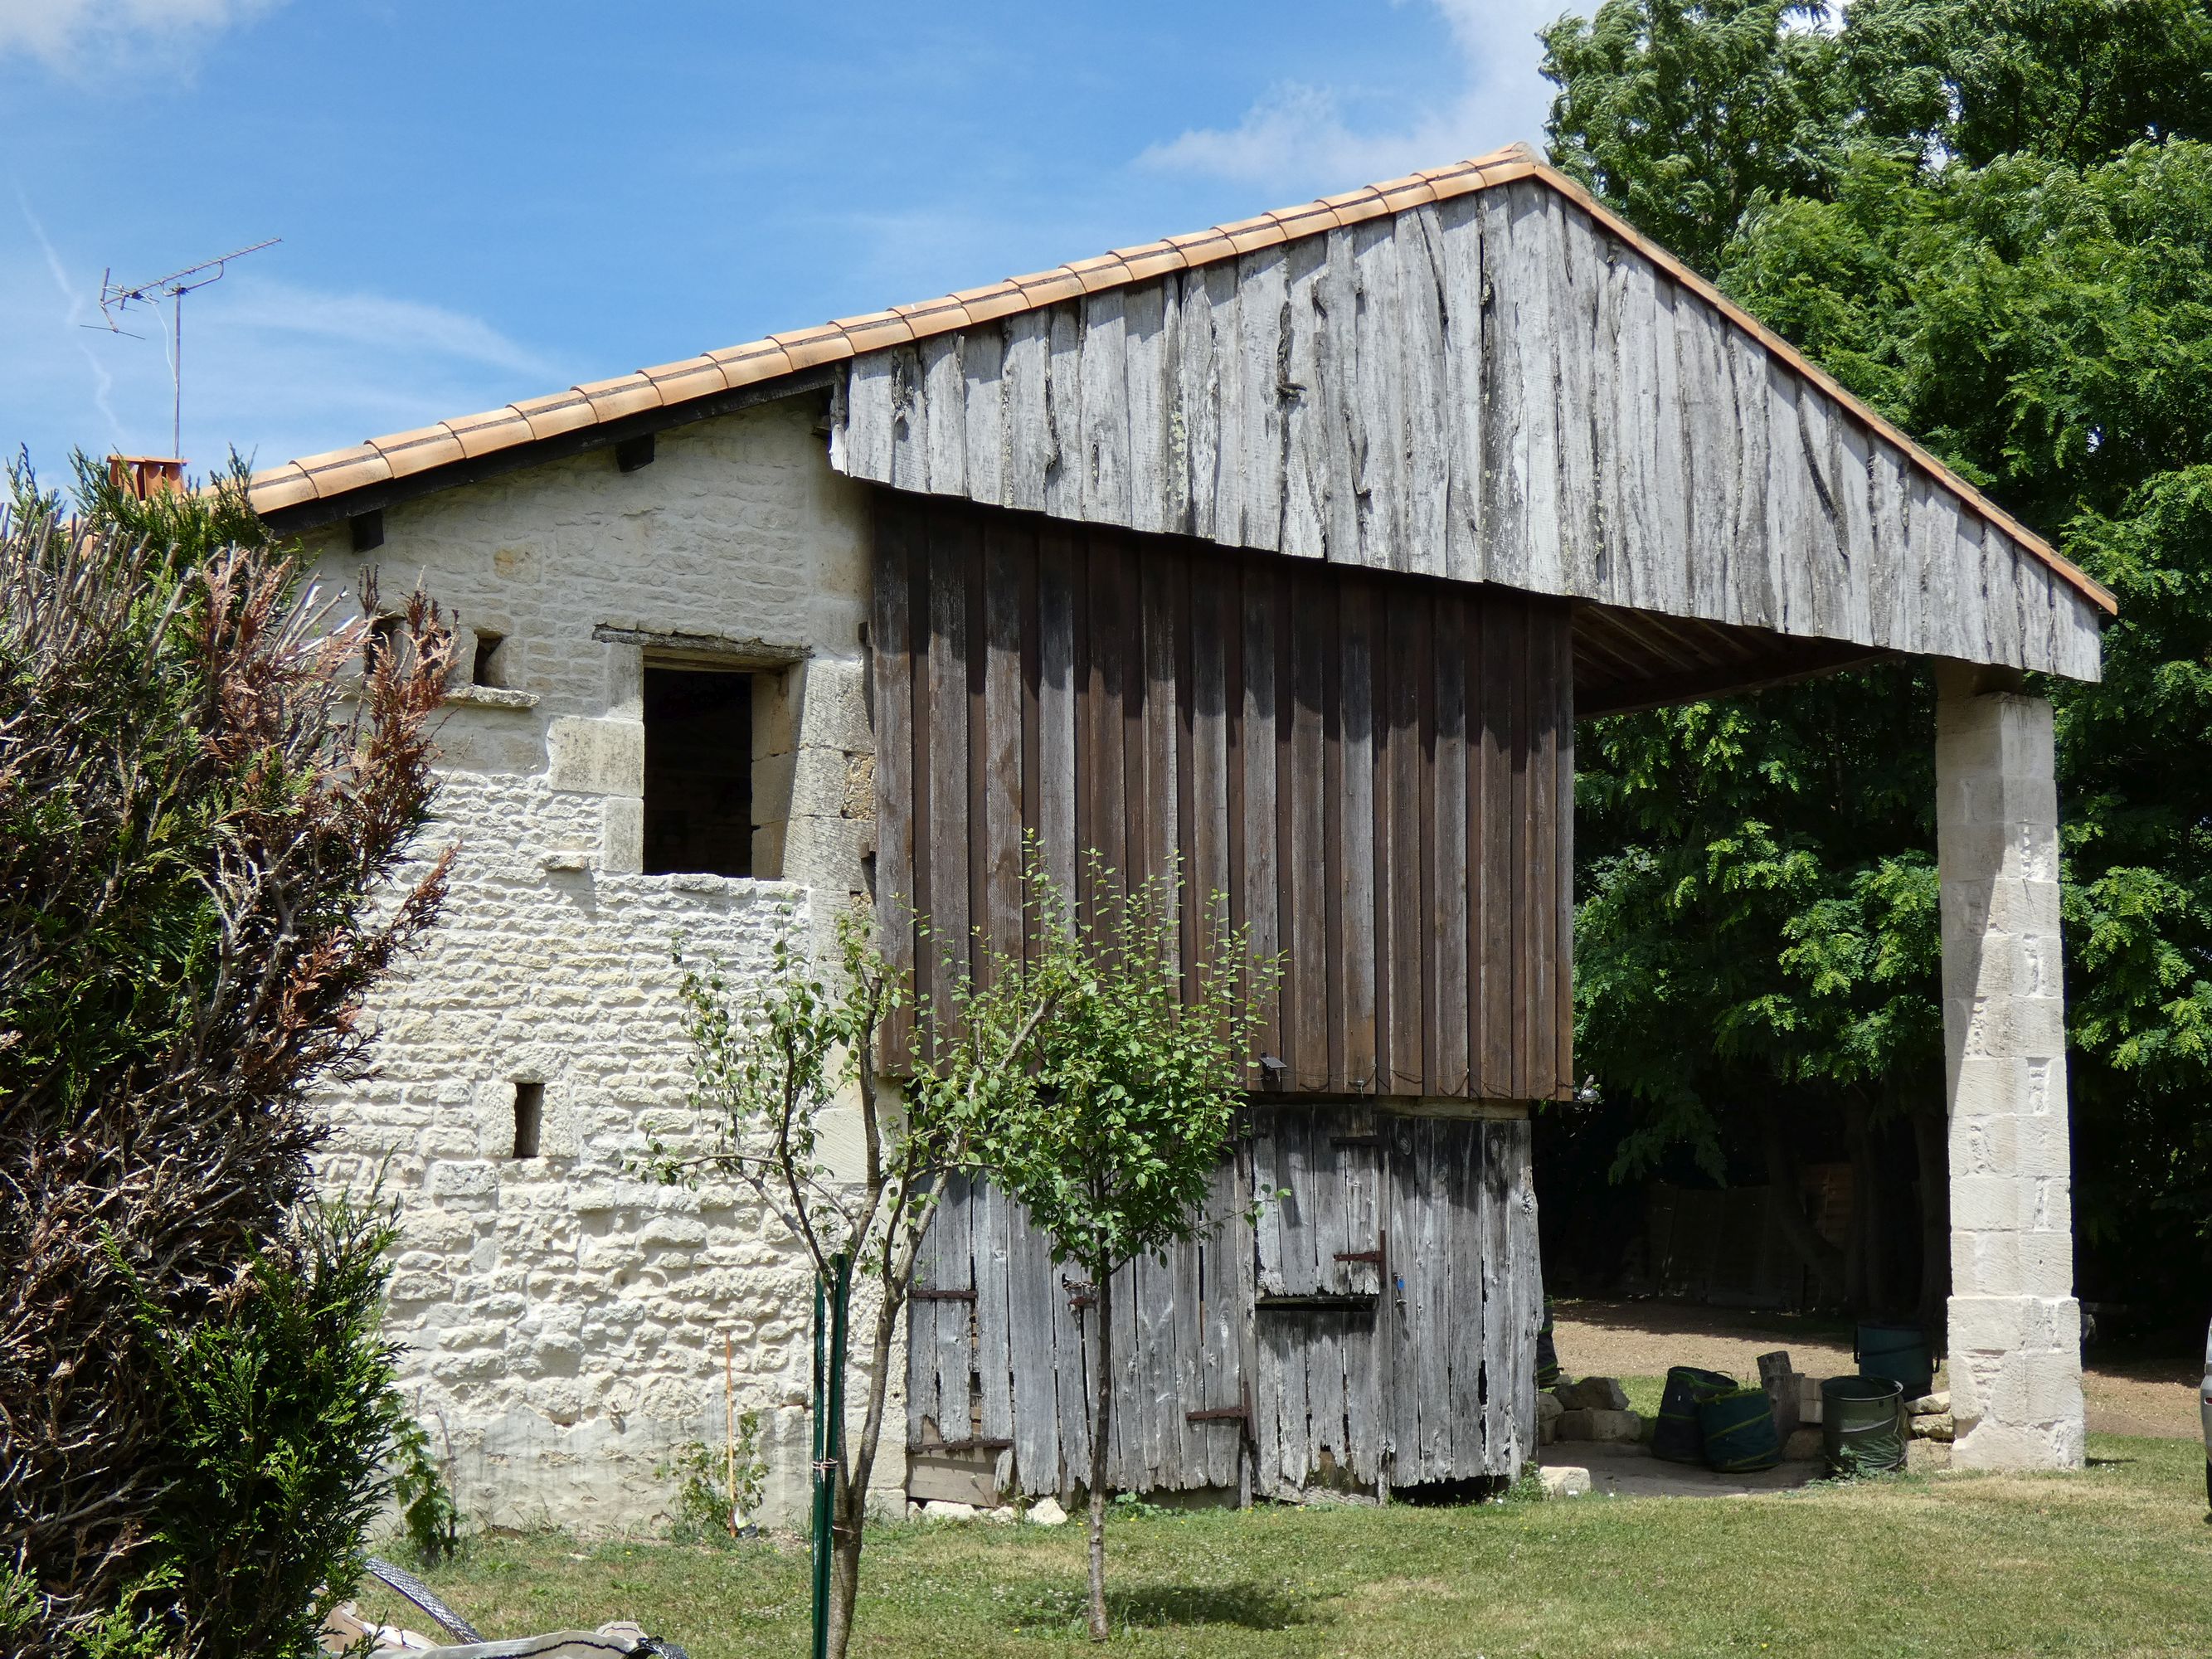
(1373, 1328)
(1372, 771)
(1491, 388)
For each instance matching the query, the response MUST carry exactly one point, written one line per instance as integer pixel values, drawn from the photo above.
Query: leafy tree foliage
(2003, 247)
(1132, 1088)
(204, 871)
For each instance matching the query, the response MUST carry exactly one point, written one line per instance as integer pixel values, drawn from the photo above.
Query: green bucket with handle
(1863, 1425)
(1676, 1436)
(1898, 1353)
(1738, 1428)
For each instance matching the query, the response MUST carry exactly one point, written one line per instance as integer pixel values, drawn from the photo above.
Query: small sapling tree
(1133, 1081)
(768, 1065)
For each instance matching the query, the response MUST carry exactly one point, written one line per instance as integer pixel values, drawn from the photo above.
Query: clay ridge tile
(426, 446)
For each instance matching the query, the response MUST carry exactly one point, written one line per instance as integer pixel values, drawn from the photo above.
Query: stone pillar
(2015, 1347)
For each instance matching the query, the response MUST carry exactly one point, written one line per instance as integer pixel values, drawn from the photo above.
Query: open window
(698, 771)
(488, 662)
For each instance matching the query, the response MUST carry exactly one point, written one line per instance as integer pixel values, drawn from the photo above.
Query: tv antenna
(116, 298)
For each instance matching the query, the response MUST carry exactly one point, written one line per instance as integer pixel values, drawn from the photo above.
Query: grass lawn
(2114, 1560)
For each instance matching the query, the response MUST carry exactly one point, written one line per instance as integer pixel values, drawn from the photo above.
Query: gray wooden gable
(1499, 387)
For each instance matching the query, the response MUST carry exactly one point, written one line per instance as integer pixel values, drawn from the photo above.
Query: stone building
(1291, 551)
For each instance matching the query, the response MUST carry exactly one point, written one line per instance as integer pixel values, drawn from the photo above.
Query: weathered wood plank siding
(1373, 1328)
(1491, 388)
(1370, 769)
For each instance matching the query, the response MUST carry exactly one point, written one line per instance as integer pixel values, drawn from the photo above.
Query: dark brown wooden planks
(1373, 770)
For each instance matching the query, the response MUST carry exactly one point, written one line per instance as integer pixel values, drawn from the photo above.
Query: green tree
(207, 863)
(2005, 250)
(1134, 1076)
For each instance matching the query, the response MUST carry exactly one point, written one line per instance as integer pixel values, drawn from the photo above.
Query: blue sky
(482, 201)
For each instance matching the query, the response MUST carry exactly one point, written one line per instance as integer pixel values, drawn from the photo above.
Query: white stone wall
(2015, 1329)
(563, 1321)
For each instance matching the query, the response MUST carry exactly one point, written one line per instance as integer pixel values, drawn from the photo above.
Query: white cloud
(74, 34)
(1303, 137)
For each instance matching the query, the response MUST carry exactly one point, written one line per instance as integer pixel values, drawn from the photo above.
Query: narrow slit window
(486, 668)
(698, 772)
(529, 1118)
(385, 636)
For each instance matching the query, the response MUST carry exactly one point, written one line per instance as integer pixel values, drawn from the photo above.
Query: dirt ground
(2123, 1395)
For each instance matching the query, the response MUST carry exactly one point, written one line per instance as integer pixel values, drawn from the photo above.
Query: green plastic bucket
(1738, 1428)
(1676, 1436)
(1863, 1425)
(1898, 1353)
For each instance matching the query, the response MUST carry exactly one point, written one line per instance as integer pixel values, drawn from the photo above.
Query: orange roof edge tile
(326, 476)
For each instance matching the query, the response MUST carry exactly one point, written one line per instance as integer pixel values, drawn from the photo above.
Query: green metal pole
(829, 1431)
(821, 1526)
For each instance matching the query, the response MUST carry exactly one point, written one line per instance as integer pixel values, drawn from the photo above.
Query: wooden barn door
(1000, 1345)
(1320, 1251)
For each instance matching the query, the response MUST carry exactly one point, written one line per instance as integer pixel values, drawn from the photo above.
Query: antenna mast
(115, 298)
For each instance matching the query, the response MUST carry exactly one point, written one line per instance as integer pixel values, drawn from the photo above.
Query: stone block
(2054, 1386)
(1986, 1203)
(1611, 1427)
(1986, 1265)
(1046, 1512)
(1564, 1481)
(2045, 1264)
(1928, 1405)
(1927, 1456)
(1802, 1445)
(1934, 1426)
(622, 834)
(595, 757)
(1593, 1393)
(941, 1509)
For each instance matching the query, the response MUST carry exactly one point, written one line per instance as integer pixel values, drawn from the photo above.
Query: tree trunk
(849, 1502)
(1824, 1260)
(1931, 1143)
(1867, 1284)
(1101, 1423)
(848, 1509)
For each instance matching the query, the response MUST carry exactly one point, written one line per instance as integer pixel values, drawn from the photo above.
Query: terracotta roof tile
(1043, 288)
(934, 316)
(418, 451)
(806, 347)
(983, 305)
(561, 412)
(1152, 259)
(333, 474)
(745, 365)
(1402, 193)
(1104, 272)
(625, 394)
(1308, 221)
(1246, 234)
(342, 470)
(495, 428)
(874, 330)
(1202, 246)
(282, 486)
(680, 382)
